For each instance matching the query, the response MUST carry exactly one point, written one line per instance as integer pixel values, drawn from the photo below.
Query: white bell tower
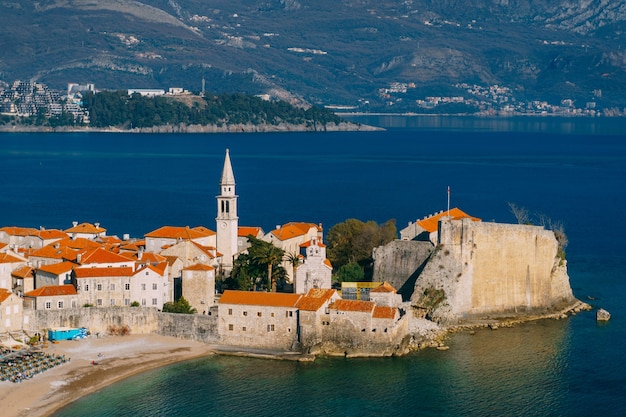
(227, 221)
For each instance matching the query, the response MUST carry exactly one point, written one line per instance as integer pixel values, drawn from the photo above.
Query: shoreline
(122, 357)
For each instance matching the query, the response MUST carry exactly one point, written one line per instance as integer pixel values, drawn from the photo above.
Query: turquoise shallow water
(136, 183)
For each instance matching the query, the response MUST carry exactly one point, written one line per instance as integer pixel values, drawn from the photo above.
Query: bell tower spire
(227, 221)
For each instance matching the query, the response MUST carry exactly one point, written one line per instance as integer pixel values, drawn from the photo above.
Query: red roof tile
(58, 268)
(199, 267)
(383, 312)
(55, 252)
(431, 224)
(244, 231)
(175, 232)
(4, 294)
(19, 231)
(86, 228)
(384, 287)
(23, 272)
(5, 258)
(315, 299)
(258, 298)
(310, 243)
(101, 256)
(103, 272)
(52, 290)
(353, 305)
(293, 229)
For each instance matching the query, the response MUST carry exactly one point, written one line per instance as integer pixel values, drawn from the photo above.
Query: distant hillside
(364, 54)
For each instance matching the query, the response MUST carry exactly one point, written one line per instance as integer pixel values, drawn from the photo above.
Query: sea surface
(572, 172)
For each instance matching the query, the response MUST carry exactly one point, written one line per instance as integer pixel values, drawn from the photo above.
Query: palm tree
(295, 261)
(269, 255)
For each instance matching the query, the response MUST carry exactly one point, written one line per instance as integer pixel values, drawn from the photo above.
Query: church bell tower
(227, 221)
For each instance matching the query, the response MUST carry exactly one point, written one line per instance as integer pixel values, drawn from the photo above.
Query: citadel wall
(493, 269)
(399, 263)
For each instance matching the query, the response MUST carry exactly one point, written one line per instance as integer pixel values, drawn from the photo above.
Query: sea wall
(482, 269)
(196, 327)
(400, 262)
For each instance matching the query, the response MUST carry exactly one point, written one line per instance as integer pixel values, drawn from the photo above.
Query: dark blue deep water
(574, 174)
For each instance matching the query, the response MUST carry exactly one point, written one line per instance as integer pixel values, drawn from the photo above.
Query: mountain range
(376, 55)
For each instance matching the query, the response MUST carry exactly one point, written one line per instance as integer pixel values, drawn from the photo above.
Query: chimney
(74, 223)
(97, 225)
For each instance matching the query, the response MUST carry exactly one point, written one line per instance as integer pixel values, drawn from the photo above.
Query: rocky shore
(184, 128)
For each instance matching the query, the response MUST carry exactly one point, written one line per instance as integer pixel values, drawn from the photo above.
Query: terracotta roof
(5, 258)
(4, 294)
(52, 290)
(51, 234)
(293, 229)
(101, 256)
(353, 305)
(258, 298)
(130, 247)
(158, 268)
(430, 224)
(58, 268)
(327, 263)
(383, 312)
(55, 251)
(175, 232)
(315, 299)
(199, 267)
(86, 228)
(384, 287)
(78, 243)
(103, 272)
(310, 243)
(244, 231)
(112, 240)
(23, 272)
(152, 257)
(2, 245)
(19, 231)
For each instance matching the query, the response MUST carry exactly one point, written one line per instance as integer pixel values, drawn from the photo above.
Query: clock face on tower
(223, 225)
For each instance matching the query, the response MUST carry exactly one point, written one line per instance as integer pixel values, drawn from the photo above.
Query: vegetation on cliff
(523, 216)
(118, 109)
(350, 246)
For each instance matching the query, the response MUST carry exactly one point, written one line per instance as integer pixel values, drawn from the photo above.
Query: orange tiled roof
(315, 299)
(78, 243)
(152, 257)
(430, 224)
(327, 263)
(175, 232)
(2, 245)
(55, 252)
(111, 240)
(158, 268)
(23, 272)
(130, 247)
(52, 290)
(19, 231)
(292, 229)
(353, 305)
(310, 242)
(5, 258)
(101, 256)
(199, 267)
(58, 268)
(244, 231)
(257, 298)
(383, 312)
(103, 272)
(4, 294)
(86, 228)
(384, 287)
(51, 234)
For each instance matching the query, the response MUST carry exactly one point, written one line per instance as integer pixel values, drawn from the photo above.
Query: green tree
(180, 306)
(267, 254)
(351, 272)
(295, 261)
(259, 267)
(353, 241)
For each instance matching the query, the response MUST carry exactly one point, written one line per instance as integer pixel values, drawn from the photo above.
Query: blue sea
(572, 171)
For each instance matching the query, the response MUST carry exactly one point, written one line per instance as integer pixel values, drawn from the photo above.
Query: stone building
(198, 286)
(54, 274)
(290, 236)
(11, 311)
(227, 222)
(167, 236)
(258, 319)
(314, 314)
(426, 228)
(9, 262)
(86, 231)
(54, 297)
(315, 271)
(23, 280)
(385, 295)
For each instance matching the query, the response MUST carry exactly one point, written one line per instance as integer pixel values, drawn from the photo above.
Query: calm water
(136, 183)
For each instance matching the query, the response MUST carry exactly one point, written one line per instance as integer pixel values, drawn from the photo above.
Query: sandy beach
(120, 357)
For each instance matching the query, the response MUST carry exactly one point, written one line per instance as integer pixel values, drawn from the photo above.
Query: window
(99, 287)
(245, 313)
(270, 327)
(230, 327)
(143, 301)
(230, 311)
(154, 286)
(73, 303)
(48, 305)
(127, 287)
(112, 302)
(112, 287)
(259, 314)
(126, 301)
(60, 304)
(288, 313)
(147, 273)
(86, 287)
(243, 328)
(99, 301)
(143, 287)
(272, 314)
(154, 301)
